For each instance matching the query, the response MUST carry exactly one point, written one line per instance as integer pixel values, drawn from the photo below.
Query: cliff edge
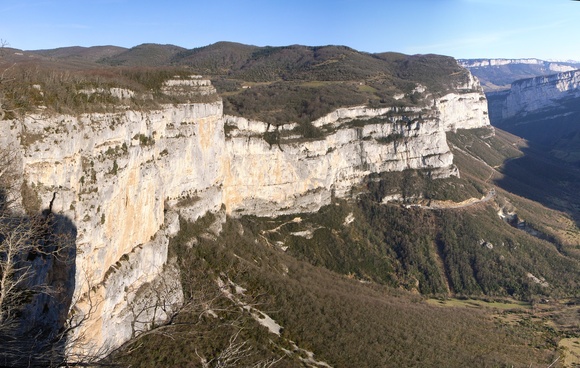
(124, 178)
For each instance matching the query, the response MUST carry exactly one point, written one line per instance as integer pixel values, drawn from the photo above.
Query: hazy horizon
(464, 29)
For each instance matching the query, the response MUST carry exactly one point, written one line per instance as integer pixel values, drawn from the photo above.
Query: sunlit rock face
(553, 66)
(116, 177)
(465, 109)
(302, 175)
(123, 178)
(534, 94)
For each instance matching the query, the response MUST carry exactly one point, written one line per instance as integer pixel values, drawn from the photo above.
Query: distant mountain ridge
(93, 53)
(147, 54)
(543, 110)
(292, 62)
(555, 65)
(498, 74)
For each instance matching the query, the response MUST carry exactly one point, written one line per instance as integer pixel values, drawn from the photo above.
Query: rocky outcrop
(534, 94)
(300, 175)
(553, 66)
(465, 109)
(123, 178)
(498, 74)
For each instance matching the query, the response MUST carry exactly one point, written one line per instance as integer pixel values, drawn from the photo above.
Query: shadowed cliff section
(540, 177)
(34, 327)
(545, 112)
(554, 131)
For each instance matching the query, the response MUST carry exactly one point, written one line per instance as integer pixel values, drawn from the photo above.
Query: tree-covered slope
(343, 320)
(355, 282)
(275, 84)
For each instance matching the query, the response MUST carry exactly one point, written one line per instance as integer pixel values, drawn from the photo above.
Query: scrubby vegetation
(365, 283)
(435, 252)
(349, 283)
(273, 84)
(343, 321)
(298, 83)
(60, 89)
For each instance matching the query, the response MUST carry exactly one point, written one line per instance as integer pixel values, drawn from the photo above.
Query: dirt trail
(438, 205)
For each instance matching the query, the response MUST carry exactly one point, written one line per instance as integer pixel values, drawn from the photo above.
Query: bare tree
(20, 240)
(158, 303)
(79, 350)
(36, 287)
(234, 353)
(187, 320)
(37, 252)
(15, 236)
(3, 78)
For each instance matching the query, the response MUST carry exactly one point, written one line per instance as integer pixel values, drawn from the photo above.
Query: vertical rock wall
(121, 178)
(534, 94)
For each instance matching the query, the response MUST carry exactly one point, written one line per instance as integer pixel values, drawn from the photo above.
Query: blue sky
(545, 29)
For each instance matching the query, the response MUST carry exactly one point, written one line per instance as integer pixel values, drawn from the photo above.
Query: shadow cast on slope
(549, 170)
(35, 335)
(541, 177)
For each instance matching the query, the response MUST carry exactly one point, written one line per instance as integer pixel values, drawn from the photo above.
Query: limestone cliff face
(122, 178)
(301, 175)
(498, 74)
(553, 66)
(113, 175)
(530, 95)
(465, 109)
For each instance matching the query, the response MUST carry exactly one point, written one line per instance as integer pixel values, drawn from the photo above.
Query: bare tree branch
(37, 252)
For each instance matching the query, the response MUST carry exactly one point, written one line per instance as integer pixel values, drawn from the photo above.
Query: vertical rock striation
(122, 178)
(534, 94)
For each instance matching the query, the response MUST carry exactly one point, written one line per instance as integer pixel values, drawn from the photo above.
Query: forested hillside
(469, 258)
